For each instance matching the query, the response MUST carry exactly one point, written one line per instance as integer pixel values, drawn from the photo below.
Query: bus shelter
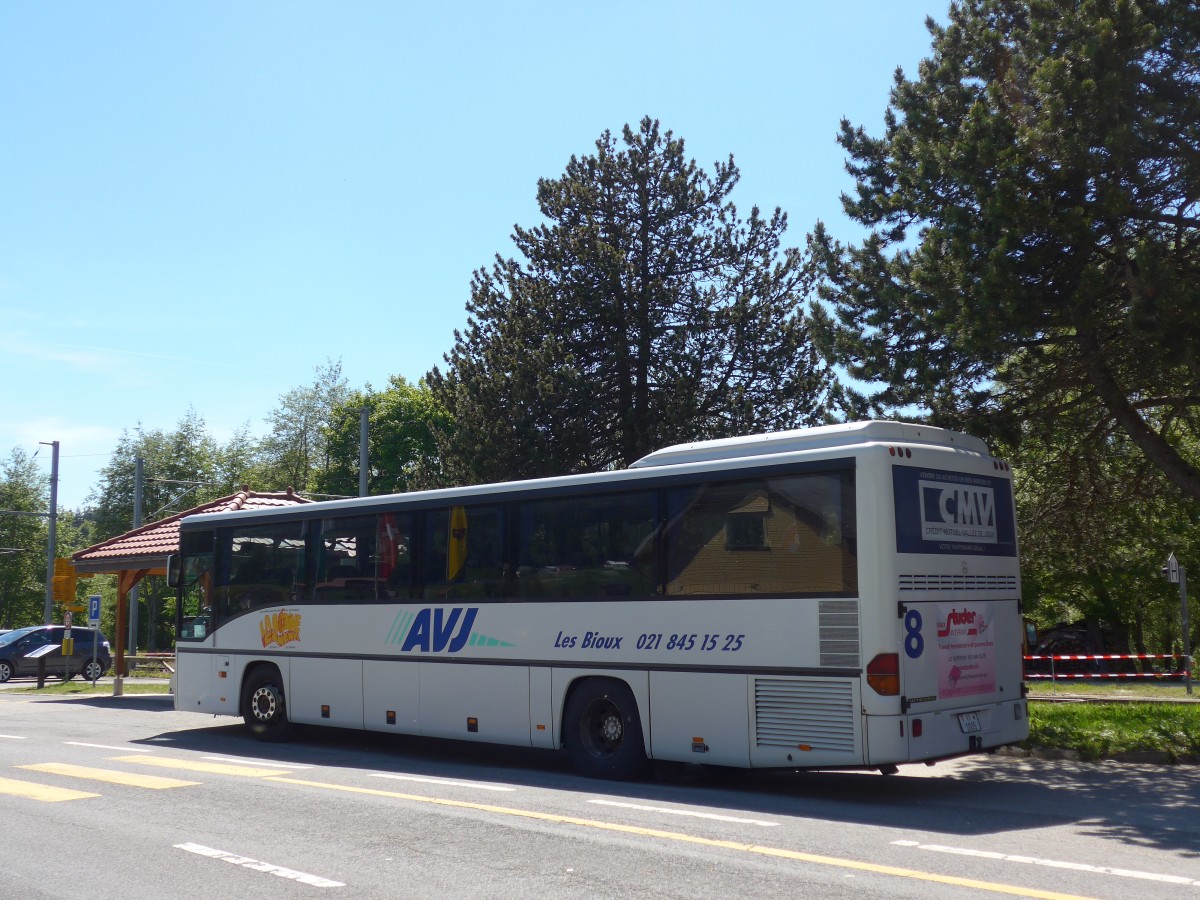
(144, 551)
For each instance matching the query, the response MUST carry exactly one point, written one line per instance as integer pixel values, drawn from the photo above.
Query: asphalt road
(126, 798)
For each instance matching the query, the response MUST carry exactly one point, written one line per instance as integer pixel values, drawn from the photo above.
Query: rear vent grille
(958, 582)
(818, 713)
(838, 633)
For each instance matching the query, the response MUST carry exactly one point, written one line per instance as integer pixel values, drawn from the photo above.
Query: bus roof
(699, 455)
(842, 435)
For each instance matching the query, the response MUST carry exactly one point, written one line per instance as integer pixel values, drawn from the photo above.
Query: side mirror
(174, 570)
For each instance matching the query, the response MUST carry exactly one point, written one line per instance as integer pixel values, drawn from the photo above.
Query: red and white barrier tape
(1107, 656)
(1030, 676)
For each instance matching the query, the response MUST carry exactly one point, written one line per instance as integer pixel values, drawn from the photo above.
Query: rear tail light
(883, 674)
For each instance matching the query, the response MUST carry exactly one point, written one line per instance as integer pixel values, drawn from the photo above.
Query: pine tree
(1034, 208)
(643, 312)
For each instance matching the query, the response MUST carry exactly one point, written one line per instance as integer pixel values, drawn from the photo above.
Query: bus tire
(264, 708)
(603, 731)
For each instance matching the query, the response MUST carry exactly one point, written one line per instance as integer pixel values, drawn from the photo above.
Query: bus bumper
(943, 734)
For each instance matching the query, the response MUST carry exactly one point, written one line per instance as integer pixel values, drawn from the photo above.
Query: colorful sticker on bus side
(953, 512)
(966, 650)
(280, 628)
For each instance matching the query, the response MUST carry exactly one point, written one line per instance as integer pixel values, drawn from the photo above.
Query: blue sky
(200, 203)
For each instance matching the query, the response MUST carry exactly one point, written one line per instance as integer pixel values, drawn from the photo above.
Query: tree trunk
(1149, 441)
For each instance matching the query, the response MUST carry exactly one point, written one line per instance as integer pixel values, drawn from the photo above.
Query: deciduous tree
(295, 454)
(180, 470)
(402, 420)
(23, 489)
(1097, 520)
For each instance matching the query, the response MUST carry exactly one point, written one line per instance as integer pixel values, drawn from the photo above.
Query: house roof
(149, 546)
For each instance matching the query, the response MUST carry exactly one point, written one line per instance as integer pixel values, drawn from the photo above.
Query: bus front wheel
(263, 707)
(603, 732)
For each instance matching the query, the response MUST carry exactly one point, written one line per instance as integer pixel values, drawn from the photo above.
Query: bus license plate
(968, 722)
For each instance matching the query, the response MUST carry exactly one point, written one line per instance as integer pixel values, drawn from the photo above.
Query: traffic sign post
(1177, 574)
(68, 645)
(94, 624)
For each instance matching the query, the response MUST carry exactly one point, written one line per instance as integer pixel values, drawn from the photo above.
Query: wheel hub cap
(611, 728)
(264, 704)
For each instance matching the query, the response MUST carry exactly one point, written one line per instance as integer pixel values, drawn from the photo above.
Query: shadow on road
(1137, 805)
(146, 702)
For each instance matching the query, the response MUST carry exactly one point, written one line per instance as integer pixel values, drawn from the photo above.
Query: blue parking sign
(94, 611)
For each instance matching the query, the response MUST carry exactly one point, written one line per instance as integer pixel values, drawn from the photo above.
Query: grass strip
(1107, 730)
(57, 688)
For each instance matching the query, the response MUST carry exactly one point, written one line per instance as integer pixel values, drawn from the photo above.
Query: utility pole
(138, 479)
(51, 543)
(1187, 649)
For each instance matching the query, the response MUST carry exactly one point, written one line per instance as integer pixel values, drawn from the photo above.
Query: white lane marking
(108, 747)
(15, 737)
(425, 780)
(270, 763)
(1051, 863)
(247, 862)
(687, 812)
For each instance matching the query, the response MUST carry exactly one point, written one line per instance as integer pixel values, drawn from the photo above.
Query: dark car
(21, 649)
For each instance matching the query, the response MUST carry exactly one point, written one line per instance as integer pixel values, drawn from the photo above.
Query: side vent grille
(958, 582)
(838, 633)
(816, 712)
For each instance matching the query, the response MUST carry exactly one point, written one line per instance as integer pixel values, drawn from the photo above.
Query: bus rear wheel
(603, 732)
(263, 706)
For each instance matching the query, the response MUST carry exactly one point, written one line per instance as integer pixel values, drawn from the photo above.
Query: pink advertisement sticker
(966, 651)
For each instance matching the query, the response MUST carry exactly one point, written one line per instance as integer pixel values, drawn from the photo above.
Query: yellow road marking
(194, 766)
(707, 842)
(155, 782)
(43, 792)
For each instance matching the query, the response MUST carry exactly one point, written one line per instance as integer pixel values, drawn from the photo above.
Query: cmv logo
(433, 630)
(957, 512)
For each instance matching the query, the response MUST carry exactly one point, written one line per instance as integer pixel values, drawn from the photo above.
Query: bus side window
(265, 566)
(394, 548)
(463, 555)
(347, 560)
(785, 535)
(589, 547)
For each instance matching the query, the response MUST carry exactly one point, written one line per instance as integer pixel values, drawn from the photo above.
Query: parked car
(21, 649)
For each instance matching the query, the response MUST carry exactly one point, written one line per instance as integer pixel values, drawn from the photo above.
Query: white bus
(837, 597)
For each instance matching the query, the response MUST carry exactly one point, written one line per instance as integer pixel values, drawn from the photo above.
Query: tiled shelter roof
(149, 546)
